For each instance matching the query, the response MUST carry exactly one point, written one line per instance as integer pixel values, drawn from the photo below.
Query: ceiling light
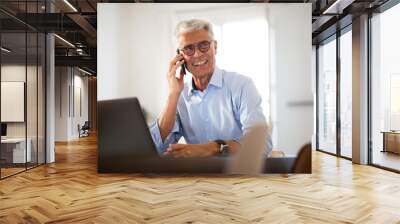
(84, 71)
(64, 40)
(337, 7)
(332, 7)
(5, 50)
(70, 5)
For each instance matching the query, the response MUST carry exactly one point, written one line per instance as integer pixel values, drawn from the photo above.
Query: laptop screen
(3, 129)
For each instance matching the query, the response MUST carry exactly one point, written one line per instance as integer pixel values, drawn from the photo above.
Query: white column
(50, 99)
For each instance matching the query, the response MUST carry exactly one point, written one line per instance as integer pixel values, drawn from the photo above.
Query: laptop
(125, 145)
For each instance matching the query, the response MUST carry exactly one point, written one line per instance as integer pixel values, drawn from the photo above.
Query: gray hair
(192, 25)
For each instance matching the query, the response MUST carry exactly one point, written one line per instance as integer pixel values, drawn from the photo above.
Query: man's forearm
(167, 119)
(233, 146)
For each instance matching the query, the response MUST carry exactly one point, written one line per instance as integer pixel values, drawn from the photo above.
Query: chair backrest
(86, 125)
(302, 163)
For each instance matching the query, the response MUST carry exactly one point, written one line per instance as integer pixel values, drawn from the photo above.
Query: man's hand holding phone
(175, 84)
(166, 120)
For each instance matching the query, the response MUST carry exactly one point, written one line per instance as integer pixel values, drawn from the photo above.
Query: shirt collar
(216, 80)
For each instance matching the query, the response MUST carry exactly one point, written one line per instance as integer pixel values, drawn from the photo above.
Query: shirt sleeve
(251, 113)
(172, 138)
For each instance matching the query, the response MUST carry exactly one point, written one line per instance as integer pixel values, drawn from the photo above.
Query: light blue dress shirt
(224, 110)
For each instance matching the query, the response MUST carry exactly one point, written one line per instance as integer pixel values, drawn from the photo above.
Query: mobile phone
(183, 65)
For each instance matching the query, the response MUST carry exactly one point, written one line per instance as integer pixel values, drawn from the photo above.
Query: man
(214, 110)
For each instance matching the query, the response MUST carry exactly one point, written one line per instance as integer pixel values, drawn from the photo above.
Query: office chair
(84, 130)
(302, 163)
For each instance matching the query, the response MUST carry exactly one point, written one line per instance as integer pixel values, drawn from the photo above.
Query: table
(13, 150)
(391, 141)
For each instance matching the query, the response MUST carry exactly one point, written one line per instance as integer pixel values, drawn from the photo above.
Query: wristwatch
(223, 147)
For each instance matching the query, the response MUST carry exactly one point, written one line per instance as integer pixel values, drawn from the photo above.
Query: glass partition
(41, 107)
(32, 95)
(22, 88)
(14, 153)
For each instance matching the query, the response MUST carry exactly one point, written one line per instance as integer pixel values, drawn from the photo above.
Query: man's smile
(200, 63)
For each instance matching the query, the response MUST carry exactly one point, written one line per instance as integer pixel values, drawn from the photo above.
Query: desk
(158, 165)
(13, 150)
(391, 141)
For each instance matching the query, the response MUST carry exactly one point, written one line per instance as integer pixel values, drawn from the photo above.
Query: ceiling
(77, 22)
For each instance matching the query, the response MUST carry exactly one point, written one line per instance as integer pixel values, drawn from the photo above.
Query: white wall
(133, 52)
(61, 103)
(135, 44)
(291, 75)
(68, 81)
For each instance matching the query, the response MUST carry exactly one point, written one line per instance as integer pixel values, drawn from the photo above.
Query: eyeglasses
(203, 47)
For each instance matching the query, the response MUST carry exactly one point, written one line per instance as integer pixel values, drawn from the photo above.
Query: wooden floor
(71, 191)
(10, 171)
(386, 159)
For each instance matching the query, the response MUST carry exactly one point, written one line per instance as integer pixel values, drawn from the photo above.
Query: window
(327, 96)
(395, 102)
(254, 33)
(346, 94)
(385, 89)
